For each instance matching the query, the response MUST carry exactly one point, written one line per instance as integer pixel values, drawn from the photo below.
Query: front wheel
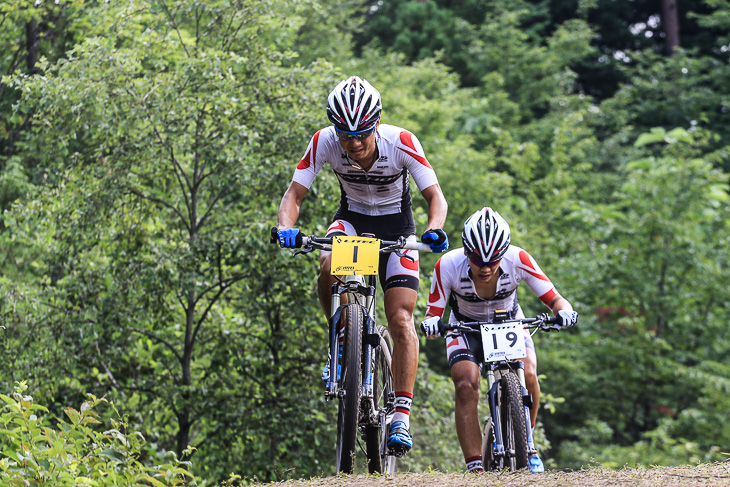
(383, 392)
(350, 382)
(514, 427)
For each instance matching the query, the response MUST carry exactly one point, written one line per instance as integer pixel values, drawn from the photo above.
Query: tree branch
(163, 203)
(160, 340)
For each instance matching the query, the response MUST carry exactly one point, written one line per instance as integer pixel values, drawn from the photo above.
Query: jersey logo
(382, 159)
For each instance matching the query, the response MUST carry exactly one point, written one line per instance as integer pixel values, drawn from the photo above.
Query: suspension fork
(371, 339)
(334, 335)
(493, 385)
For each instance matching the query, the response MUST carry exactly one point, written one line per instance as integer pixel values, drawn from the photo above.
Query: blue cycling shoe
(326, 372)
(535, 464)
(399, 439)
(326, 369)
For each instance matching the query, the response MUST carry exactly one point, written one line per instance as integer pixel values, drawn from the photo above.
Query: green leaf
(113, 455)
(657, 134)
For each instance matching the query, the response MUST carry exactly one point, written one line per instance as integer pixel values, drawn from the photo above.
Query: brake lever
(305, 250)
(401, 254)
(554, 327)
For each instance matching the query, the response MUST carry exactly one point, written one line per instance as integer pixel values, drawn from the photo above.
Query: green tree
(165, 144)
(650, 273)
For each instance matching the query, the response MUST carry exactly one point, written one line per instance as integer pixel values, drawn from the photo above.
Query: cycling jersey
(384, 188)
(452, 284)
(452, 281)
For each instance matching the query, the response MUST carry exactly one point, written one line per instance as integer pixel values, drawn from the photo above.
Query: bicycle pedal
(399, 453)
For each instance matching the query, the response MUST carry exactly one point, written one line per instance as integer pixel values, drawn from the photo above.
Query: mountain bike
(507, 435)
(360, 375)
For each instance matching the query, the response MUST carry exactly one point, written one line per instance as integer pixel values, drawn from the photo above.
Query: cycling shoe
(400, 440)
(535, 464)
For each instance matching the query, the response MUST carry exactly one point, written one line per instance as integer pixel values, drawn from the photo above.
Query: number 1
(354, 256)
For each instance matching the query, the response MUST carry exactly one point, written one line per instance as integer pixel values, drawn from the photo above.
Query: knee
(400, 321)
(466, 390)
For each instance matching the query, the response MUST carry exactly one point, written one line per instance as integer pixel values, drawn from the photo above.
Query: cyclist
(373, 163)
(477, 280)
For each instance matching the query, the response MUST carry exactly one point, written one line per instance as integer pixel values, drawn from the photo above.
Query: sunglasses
(480, 263)
(359, 135)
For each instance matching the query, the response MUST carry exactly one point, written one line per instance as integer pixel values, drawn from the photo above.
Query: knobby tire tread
(488, 460)
(351, 380)
(513, 419)
(382, 385)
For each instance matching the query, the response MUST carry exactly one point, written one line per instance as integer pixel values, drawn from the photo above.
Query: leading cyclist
(373, 163)
(477, 280)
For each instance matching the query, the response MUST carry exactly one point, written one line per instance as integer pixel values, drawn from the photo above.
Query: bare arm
(437, 206)
(290, 203)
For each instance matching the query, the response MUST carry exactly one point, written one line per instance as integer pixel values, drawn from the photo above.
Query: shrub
(80, 452)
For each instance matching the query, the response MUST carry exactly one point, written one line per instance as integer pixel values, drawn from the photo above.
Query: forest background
(144, 149)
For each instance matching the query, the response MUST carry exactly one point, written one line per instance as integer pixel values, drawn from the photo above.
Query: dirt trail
(714, 474)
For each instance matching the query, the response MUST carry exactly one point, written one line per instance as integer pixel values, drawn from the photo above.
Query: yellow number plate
(355, 255)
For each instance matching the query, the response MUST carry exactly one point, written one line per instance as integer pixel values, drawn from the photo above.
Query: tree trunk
(31, 45)
(670, 22)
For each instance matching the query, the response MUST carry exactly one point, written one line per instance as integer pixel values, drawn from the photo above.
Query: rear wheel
(488, 446)
(350, 381)
(383, 389)
(512, 412)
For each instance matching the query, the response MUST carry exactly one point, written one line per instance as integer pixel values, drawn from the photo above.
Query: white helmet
(354, 105)
(486, 235)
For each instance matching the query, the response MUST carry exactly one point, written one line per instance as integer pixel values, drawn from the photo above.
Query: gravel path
(714, 474)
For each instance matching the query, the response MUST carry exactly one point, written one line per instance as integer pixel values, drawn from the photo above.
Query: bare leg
(533, 387)
(465, 375)
(399, 305)
(324, 283)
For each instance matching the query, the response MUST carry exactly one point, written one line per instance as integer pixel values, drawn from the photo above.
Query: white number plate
(503, 342)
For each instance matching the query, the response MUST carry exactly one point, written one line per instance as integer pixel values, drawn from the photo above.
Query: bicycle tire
(348, 409)
(383, 386)
(514, 427)
(488, 460)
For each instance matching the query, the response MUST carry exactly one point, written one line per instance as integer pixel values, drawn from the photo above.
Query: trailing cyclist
(477, 280)
(374, 163)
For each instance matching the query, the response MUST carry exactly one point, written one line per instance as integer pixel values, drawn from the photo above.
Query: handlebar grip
(420, 246)
(274, 238)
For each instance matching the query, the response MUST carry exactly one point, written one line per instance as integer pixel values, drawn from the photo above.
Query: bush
(77, 453)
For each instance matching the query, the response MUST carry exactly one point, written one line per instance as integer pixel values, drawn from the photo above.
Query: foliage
(144, 152)
(76, 452)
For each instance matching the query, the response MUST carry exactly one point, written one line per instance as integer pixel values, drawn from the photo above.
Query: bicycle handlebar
(543, 322)
(312, 242)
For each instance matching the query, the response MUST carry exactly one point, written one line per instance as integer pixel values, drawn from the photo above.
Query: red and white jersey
(452, 283)
(383, 189)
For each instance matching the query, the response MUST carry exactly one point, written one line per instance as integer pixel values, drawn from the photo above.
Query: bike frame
(357, 289)
(493, 371)
(361, 291)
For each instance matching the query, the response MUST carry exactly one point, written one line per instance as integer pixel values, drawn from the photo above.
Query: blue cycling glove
(436, 239)
(567, 318)
(290, 238)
